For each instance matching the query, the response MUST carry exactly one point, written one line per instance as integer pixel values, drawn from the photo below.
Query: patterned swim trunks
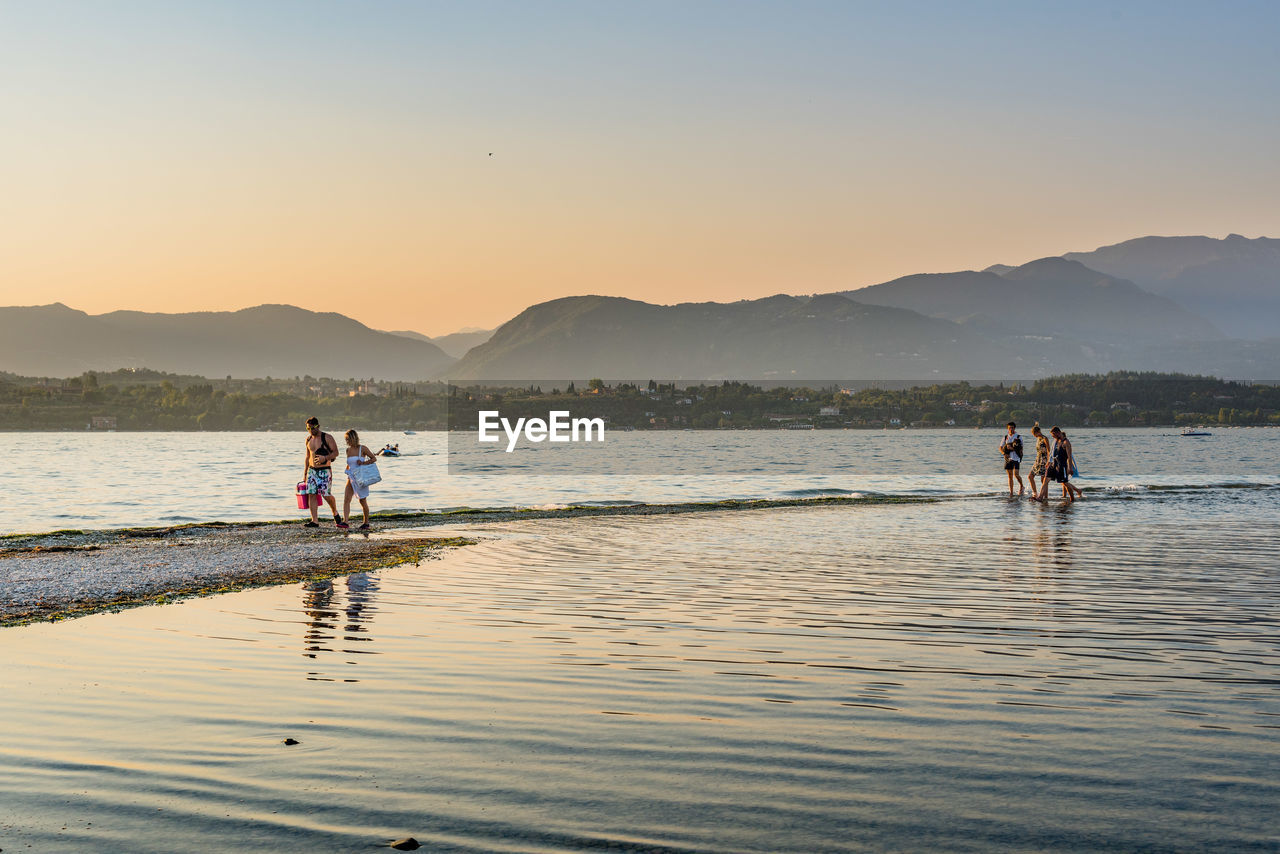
(319, 481)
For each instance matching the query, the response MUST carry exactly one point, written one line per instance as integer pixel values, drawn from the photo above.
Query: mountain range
(777, 337)
(1234, 282)
(268, 340)
(1050, 316)
(1051, 296)
(1188, 304)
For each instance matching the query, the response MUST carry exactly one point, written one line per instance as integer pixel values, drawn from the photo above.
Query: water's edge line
(70, 538)
(420, 518)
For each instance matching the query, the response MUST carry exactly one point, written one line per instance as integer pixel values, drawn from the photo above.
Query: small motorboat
(410, 432)
(1195, 431)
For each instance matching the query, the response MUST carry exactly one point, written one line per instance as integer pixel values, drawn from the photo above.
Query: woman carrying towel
(357, 455)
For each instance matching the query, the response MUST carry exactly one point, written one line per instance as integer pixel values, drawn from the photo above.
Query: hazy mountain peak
(829, 302)
(1057, 271)
(455, 344)
(50, 308)
(1234, 282)
(409, 333)
(1048, 297)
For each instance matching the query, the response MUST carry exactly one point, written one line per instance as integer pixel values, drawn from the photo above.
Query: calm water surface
(103, 480)
(971, 675)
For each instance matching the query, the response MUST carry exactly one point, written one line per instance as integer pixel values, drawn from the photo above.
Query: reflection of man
(326, 630)
(316, 603)
(321, 451)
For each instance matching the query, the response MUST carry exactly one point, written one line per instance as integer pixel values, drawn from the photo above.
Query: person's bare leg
(1031, 478)
(364, 507)
(1010, 473)
(1021, 487)
(313, 503)
(346, 502)
(333, 505)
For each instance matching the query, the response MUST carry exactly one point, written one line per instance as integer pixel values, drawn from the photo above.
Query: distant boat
(1195, 431)
(410, 432)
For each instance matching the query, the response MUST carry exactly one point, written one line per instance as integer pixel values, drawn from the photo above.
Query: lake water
(102, 480)
(972, 674)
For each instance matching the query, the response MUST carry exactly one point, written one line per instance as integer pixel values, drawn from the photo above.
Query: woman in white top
(357, 455)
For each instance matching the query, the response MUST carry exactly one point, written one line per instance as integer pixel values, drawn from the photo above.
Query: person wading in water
(1011, 447)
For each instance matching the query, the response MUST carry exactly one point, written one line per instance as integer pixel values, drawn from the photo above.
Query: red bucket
(303, 497)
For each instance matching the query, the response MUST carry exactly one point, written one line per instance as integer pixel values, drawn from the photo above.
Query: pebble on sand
(406, 844)
(292, 741)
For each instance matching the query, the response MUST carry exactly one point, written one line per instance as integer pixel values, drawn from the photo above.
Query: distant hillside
(455, 344)
(777, 337)
(1051, 297)
(1234, 282)
(409, 333)
(1044, 318)
(268, 340)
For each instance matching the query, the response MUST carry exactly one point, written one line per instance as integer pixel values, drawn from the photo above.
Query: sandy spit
(67, 575)
(61, 574)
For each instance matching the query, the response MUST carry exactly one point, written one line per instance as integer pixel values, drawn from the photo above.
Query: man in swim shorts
(321, 451)
(1011, 448)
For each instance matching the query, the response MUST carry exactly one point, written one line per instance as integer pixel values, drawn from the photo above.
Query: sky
(433, 166)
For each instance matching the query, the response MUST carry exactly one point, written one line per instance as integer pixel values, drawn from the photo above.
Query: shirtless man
(321, 451)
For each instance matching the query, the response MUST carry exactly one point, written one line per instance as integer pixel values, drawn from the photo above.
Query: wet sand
(69, 573)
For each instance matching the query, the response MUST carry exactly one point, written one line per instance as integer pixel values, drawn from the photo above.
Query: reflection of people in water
(1052, 539)
(360, 607)
(324, 613)
(316, 599)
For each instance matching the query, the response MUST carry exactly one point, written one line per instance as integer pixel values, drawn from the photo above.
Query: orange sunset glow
(436, 167)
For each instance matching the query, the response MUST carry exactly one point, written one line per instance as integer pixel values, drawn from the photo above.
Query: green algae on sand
(365, 556)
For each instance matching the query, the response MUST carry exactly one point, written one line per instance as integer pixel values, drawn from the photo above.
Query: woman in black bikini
(1061, 462)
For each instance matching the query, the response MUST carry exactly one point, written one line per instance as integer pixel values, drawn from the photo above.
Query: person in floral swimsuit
(321, 451)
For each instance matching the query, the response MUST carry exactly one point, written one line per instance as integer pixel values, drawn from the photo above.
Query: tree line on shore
(150, 400)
